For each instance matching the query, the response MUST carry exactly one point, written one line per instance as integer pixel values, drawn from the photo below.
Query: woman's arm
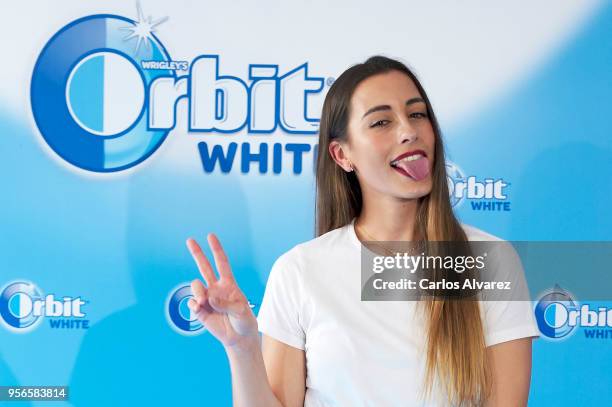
(271, 376)
(286, 369)
(225, 312)
(511, 370)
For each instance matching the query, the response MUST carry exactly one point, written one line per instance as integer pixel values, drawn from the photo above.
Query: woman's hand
(220, 305)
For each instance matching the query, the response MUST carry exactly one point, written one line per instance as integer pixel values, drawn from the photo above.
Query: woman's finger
(235, 308)
(221, 261)
(203, 264)
(201, 311)
(193, 305)
(199, 292)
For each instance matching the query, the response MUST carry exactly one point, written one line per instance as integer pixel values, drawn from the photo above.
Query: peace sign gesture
(220, 305)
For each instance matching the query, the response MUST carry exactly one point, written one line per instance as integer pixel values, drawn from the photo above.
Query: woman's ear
(339, 155)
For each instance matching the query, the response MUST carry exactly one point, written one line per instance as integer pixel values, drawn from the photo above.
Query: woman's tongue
(417, 169)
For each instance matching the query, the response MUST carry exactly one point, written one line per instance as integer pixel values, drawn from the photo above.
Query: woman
(380, 177)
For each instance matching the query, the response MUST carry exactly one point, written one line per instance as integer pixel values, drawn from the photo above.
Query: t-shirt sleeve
(512, 316)
(280, 312)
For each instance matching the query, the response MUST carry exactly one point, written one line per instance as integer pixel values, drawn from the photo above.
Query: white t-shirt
(362, 353)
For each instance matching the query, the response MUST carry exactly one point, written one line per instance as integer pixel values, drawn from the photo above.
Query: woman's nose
(407, 133)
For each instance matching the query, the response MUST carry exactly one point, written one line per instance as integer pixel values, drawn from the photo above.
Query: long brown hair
(456, 352)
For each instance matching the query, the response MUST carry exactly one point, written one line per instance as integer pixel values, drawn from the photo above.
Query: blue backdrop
(100, 219)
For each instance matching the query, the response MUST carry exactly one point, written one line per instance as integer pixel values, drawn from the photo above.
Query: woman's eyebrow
(387, 107)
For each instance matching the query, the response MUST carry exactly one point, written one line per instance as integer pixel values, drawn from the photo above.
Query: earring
(351, 167)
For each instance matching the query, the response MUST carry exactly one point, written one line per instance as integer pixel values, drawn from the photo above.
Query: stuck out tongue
(417, 169)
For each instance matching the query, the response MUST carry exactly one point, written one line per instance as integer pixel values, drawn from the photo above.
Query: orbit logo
(179, 316)
(558, 316)
(89, 95)
(486, 195)
(23, 306)
(104, 94)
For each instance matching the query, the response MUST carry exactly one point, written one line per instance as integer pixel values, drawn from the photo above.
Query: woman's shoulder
(475, 234)
(500, 249)
(333, 241)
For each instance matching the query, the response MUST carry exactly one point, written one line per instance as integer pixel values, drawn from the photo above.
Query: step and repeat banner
(126, 127)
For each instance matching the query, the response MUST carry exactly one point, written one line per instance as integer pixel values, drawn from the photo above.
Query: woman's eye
(419, 115)
(379, 123)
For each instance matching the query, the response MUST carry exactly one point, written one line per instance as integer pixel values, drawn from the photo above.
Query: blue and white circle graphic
(89, 93)
(454, 176)
(109, 106)
(552, 314)
(178, 314)
(17, 306)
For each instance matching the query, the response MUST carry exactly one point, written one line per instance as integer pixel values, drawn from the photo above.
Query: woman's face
(390, 137)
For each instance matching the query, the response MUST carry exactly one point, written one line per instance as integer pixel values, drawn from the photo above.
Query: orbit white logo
(488, 194)
(23, 306)
(558, 315)
(104, 94)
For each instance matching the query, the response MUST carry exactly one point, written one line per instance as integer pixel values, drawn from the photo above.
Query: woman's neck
(388, 219)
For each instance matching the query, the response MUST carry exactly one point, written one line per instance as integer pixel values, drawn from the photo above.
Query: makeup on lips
(413, 164)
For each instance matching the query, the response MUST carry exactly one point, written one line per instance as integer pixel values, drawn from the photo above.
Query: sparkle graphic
(143, 28)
